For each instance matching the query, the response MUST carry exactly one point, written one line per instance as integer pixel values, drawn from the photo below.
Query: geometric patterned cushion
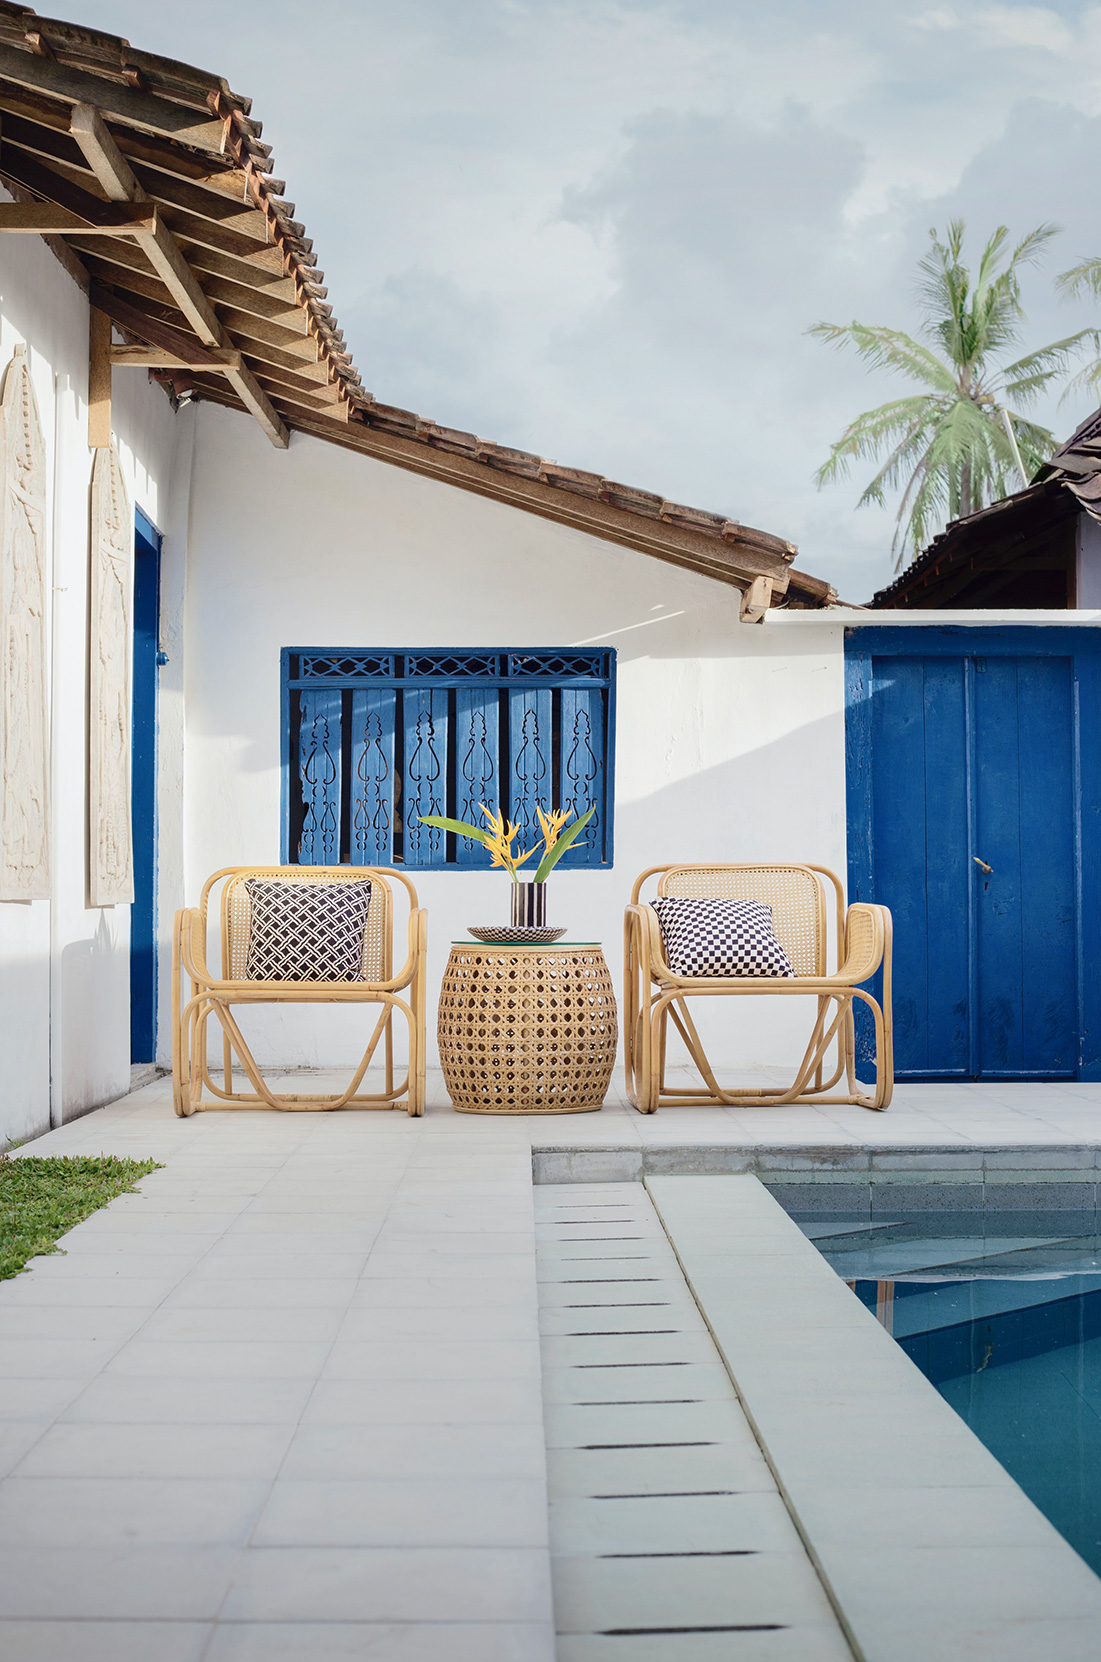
(306, 931)
(720, 937)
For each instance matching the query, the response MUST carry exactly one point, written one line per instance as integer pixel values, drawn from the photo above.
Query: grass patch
(41, 1199)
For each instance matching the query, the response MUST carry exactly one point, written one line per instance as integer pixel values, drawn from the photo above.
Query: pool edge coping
(749, 1347)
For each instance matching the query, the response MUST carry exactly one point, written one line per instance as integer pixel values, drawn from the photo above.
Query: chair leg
(177, 1032)
(809, 1086)
(884, 1058)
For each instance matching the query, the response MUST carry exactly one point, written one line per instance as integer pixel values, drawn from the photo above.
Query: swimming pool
(1002, 1313)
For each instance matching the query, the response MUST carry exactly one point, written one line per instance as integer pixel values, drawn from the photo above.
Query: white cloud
(1033, 26)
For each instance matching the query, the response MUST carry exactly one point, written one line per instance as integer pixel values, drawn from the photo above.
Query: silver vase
(529, 906)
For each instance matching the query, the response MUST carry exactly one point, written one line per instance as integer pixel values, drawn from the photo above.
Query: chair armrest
(418, 948)
(191, 926)
(867, 942)
(651, 948)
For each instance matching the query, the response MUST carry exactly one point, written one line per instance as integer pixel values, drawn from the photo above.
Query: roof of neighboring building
(992, 548)
(1009, 536)
(1077, 465)
(225, 279)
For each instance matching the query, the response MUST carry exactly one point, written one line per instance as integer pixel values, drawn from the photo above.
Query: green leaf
(459, 826)
(565, 841)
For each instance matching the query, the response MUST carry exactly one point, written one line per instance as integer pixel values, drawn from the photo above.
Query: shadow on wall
(95, 1018)
(25, 1026)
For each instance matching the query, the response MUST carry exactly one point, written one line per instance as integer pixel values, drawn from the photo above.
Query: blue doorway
(143, 791)
(974, 813)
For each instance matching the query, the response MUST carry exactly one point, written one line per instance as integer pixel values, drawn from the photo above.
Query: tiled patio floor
(1005, 1114)
(286, 1402)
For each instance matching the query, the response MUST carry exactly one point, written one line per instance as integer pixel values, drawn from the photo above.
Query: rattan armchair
(206, 995)
(799, 897)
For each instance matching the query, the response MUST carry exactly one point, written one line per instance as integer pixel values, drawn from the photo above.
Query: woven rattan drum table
(527, 1029)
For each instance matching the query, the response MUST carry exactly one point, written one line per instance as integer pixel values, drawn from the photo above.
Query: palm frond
(1030, 375)
(1087, 380)
(1032, 245)
(1081, 279)
(884, 348)
(871, 432)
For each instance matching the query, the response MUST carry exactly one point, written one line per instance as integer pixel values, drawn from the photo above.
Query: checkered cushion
(720, 937)
(306, 931)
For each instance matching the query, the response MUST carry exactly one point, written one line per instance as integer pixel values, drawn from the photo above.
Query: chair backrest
(237, 918)
(796, 895)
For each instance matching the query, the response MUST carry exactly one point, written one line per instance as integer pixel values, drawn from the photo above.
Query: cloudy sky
(599, 229)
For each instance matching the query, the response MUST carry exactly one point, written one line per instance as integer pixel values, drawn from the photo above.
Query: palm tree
(1082, 279)
(958, 443)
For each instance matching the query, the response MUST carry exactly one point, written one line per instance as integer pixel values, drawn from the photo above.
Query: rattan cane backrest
(236, 915)
(794, 893)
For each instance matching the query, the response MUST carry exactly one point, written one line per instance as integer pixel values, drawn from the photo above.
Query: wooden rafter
(45, 219)
(136, 109)
(119, 184)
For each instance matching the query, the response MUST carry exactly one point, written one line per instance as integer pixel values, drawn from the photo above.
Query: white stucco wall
(64, 967)
(730, 740)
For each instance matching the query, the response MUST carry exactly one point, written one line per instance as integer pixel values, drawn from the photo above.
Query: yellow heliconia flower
(552, 827)
(502, 833)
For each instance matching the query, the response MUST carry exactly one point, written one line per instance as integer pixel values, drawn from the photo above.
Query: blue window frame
(372, 739)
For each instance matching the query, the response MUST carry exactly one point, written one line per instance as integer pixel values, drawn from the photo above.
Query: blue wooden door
(973, 814)
(143, 792)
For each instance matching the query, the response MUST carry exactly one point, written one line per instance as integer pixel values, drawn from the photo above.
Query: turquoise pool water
(1003, 1316)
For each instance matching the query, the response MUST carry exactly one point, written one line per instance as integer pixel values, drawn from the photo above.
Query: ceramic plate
(503, 934)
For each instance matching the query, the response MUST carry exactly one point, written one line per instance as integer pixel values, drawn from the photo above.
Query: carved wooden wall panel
(24, 701)
(112, 867)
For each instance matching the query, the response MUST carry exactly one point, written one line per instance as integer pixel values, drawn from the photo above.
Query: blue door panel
(143, 791)
(998, 938)
(898, 791)
(1045, 728)
(1087, 712)
(982, 745)
(947, 883)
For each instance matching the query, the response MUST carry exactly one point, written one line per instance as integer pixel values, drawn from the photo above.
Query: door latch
(986, 869)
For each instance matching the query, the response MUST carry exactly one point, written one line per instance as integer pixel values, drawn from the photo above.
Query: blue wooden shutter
(581, 782)
(319, 776)
(530, 741)
(425, 773)
(477, 764)
(372, 788)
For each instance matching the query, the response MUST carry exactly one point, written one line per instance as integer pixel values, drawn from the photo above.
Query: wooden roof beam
(156, 357)
(250, 333)
(46, 219)
(117, 178)
(160, 116)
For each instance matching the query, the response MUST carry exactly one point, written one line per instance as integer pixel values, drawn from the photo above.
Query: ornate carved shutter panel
(112, 874)
(24, 705)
